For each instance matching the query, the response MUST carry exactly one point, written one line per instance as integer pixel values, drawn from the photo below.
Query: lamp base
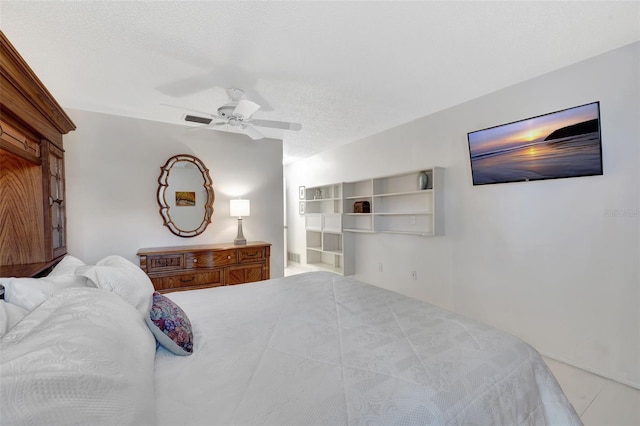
(240, 240)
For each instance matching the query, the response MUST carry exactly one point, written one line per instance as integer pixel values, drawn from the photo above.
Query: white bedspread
(83, 357)
(319, 348)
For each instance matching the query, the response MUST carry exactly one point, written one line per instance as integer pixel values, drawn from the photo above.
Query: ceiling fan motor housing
(226, 110)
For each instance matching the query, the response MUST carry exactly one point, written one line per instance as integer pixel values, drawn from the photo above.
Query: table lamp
(240, 208)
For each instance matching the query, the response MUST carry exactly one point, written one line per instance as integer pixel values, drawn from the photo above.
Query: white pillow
(10, 315)
(67, 266)
(24, 292)
(30, 292)
(120, 276)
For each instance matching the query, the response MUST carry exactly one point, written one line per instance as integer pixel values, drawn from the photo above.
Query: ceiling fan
(237, 113)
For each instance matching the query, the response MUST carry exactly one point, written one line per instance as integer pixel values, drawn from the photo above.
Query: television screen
(556, 145)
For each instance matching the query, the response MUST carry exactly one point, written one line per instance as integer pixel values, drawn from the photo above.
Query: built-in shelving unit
(398, 203)
(323, 223)
(408, 203)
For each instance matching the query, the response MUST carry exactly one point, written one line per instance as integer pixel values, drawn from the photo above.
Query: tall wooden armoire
(33, 233)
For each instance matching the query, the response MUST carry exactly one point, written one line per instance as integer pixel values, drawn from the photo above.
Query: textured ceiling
(345, 70)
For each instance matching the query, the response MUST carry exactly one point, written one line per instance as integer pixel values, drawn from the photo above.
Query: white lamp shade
(240, 208)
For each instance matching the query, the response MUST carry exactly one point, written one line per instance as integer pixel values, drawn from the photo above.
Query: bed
(315, 348)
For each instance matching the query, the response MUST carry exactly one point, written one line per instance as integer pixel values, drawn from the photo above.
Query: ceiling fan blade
(277, 124)
(213, 125)
(246, 108)
(252, 132)
(202, 126)
(197, 119)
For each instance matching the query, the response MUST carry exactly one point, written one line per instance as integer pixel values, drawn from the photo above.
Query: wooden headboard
(32, 183)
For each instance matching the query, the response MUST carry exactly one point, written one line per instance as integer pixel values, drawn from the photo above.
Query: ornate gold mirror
(185, 195)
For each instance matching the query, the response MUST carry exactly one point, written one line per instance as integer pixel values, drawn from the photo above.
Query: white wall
(555, 262)
(112, 168)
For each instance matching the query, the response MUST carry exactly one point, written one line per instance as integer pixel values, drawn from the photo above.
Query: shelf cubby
(325, 260)
(417, 202)
(358, 222)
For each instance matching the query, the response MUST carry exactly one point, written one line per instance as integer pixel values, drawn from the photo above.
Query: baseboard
(591, 370)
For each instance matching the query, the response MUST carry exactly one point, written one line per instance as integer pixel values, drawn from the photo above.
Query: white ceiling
(345, 69)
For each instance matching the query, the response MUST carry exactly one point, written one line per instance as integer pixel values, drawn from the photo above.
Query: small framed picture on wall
(301, 207)
(301, 192)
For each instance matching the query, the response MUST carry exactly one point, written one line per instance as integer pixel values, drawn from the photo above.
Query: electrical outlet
(380, 267)
(414, 275)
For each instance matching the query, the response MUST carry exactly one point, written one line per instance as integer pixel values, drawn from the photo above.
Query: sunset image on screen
(561, 144)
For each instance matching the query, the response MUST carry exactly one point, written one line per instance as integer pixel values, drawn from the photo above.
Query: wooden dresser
(202, 266)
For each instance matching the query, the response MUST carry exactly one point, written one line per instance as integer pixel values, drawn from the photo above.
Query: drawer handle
(182, 280)
(195, 260)
(255, 253)
(229, 257)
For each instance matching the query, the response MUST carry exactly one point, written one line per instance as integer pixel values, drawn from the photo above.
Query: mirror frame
(163, 186)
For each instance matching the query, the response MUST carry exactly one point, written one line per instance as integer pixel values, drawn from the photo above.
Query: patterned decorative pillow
(170, 325)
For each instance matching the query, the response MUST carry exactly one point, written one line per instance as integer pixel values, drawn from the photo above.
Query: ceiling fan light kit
(238, 113)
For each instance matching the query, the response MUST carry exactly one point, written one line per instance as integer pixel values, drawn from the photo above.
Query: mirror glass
(185, 195)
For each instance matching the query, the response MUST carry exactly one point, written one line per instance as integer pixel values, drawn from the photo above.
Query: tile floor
(296, 268)
(598, 401)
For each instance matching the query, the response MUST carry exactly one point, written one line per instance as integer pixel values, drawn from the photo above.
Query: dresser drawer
(250, 254)
(244, 274)
(194, 279)
(166, 262)
(210, 259)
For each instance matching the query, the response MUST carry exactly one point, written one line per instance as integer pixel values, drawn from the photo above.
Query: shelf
(420, 234)
(327, 260)
(313, 221)
(314, 248)
(336, 252)
(326, 266)
(318, 194)
(402, 183)
(332, 231)
(396, 194)
(404, 223)
(332, 222)
(358, 221)
(362, 231)
(359, 189)
(322, 199)
(421, 213)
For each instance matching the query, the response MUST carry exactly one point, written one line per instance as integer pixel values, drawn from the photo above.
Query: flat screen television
(559, 144)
